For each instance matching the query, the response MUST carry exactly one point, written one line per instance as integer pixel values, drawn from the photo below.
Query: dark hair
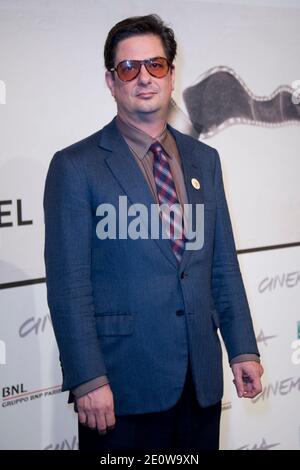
(137, 26)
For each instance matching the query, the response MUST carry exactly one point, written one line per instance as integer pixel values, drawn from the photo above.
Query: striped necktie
(166, 193)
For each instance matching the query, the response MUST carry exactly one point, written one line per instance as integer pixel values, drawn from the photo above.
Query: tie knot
(156, 148)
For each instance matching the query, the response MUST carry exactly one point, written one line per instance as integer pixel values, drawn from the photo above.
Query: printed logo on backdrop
(65, 444)
(18, 394)
(263, 445)
(221, 84)
(227, 405)
(7, 209)
(34, 325)
(278, 281)
(262, 338)
(279, 388)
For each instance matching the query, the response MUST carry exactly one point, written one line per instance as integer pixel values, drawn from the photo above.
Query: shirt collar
(140, 141)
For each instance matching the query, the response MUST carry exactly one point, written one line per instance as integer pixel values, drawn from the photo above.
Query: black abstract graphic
(220, 99)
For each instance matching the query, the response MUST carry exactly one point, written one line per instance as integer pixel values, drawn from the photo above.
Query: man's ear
(110, 82)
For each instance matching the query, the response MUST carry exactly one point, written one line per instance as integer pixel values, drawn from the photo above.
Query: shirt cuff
(89, 386)
(244, 358)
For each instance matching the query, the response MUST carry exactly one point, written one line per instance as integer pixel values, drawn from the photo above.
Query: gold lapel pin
(195, 183)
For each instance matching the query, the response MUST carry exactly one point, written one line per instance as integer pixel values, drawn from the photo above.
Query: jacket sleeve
(68, 235)
(227, 285)
(90, 386)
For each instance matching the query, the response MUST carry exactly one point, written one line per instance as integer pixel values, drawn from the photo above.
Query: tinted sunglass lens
(128, 70)
(158, 67)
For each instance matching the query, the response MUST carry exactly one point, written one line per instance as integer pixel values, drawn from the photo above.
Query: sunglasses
(128, 70)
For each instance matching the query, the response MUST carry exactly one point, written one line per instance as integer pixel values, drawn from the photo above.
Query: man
(136, 318)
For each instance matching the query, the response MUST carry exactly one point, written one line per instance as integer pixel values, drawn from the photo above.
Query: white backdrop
(52, 93)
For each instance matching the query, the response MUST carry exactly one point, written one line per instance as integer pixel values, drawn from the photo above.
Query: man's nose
(144, 76)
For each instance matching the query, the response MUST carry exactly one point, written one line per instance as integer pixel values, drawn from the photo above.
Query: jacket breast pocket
(114, 324)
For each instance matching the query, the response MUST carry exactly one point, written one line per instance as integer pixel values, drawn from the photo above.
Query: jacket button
(179, 313)
(183, 275)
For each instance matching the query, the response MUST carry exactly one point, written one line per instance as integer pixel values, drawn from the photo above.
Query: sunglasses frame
(142, 62)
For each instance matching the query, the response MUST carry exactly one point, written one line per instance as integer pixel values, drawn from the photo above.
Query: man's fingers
(82, 417)
(96, 409)
(99, 420)
(110, 419)
(105, 421)
(239, 388)
(253, 388)
(239, 385)
(247, 378)
(91, 420)
(101, 423)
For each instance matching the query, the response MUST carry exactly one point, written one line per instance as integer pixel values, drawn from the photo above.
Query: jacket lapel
(190, 159)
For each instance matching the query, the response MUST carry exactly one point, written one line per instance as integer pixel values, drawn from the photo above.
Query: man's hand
(96, 409)
(247, 378)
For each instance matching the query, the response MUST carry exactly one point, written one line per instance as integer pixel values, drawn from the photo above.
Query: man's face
(145, 94)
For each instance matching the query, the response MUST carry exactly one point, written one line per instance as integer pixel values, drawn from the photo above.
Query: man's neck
(151, 127)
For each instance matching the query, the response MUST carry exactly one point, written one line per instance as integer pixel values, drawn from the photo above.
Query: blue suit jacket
(124, 307)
